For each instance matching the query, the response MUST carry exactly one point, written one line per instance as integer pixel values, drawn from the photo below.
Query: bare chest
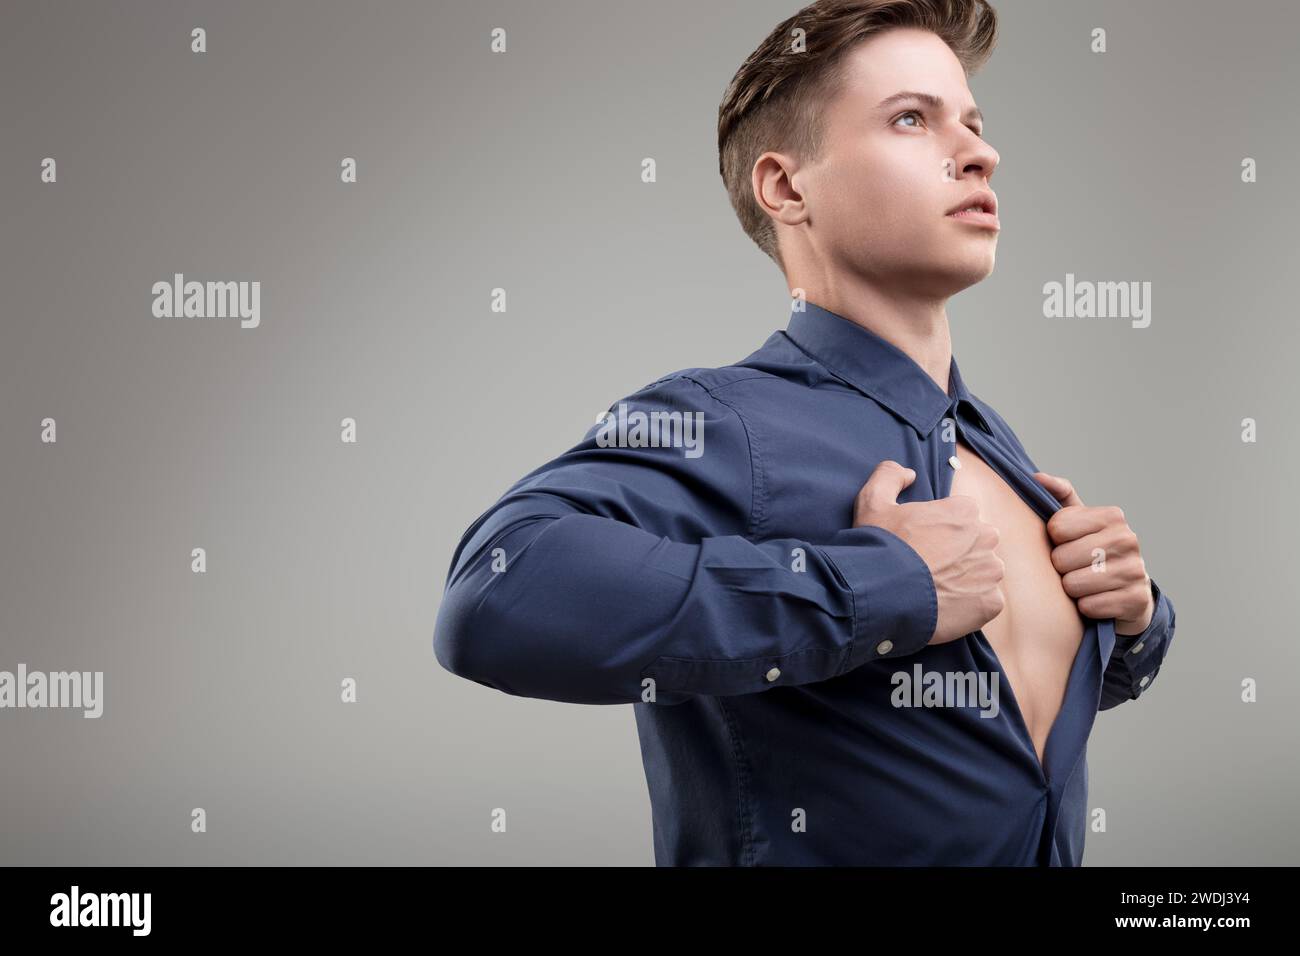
(1037, 634)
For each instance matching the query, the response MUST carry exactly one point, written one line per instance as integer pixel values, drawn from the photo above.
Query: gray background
(327, 560)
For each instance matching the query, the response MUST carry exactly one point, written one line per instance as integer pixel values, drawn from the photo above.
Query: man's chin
(954, 276)
(938, 276)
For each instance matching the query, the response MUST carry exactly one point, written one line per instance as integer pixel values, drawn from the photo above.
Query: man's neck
(917, 327)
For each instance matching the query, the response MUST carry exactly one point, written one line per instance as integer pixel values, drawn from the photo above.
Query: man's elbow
(524, 648)
(463, 641)
(498, 638)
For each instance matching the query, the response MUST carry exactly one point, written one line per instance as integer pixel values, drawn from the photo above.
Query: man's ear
(774, 181)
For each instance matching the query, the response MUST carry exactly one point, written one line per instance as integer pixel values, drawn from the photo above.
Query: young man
(857, 623)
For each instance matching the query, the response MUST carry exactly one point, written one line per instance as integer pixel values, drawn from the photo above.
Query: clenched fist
(951, 539)
(1099, 560)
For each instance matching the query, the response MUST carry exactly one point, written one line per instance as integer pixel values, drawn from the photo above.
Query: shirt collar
(879, 369)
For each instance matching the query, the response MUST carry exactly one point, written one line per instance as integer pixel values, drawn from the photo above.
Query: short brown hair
(775, 100)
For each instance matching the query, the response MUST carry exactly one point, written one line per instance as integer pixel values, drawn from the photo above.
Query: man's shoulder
(709, 379)
(773, 367)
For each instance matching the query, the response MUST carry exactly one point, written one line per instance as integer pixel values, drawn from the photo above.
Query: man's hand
(957, 547)
(1098, 558)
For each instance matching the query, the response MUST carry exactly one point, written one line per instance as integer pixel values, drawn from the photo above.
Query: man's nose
(977, 158)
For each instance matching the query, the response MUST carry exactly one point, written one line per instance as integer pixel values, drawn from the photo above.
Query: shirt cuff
(895, 608)
(1159, 621)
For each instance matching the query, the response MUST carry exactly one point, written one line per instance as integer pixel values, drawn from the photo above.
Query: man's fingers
(1061, 488)
(1080, 537)
(885, 484)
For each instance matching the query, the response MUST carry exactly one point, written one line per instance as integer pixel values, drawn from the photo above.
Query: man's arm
(612, 565)
(1136, 658)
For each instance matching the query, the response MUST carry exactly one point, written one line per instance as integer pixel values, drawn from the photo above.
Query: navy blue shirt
(694, 556)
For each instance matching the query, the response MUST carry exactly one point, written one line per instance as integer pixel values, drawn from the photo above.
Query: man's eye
(915, 113)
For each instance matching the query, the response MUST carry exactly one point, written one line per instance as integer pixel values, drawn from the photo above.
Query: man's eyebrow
(929, 99)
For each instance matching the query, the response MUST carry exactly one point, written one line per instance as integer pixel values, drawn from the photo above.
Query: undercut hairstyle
(775, 101)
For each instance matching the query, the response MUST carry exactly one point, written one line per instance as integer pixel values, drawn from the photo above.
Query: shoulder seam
(737, 381)
(756, 500)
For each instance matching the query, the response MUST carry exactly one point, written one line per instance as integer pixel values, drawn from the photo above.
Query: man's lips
(980, 208)
(983, 219)
(981, 199)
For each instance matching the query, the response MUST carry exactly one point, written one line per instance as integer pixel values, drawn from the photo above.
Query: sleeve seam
(756, 505)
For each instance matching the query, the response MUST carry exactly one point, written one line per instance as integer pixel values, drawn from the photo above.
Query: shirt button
(884, 647)
(774, 673)
(1143, 681)
(1136, 647)
(954, 462)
